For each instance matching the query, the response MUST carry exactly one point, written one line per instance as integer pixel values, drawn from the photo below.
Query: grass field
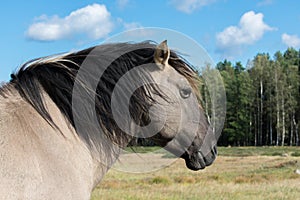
(238, 173)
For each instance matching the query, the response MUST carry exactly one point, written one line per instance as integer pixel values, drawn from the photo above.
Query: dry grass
(251, 177)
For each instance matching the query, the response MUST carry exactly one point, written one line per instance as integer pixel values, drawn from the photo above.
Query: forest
(263, 100)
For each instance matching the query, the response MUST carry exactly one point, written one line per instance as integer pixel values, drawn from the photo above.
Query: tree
(263, 101)
(290, 67)
(258, 74)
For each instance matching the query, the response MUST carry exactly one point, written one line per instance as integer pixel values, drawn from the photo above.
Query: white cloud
(290, 40)
(132, 25)
(250, 29)
(135, 29)
(122, 3)
(92, 20)
(188, 6)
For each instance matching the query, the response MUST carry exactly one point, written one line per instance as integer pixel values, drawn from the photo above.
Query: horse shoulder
(37, 160)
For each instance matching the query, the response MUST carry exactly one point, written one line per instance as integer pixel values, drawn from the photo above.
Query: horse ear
(162, 55)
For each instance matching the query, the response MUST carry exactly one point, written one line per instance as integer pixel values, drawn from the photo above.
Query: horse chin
(197, 161)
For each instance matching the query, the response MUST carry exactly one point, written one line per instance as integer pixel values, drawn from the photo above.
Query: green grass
(238, 173)
(296, 154)
(230, 151)
(258, 151)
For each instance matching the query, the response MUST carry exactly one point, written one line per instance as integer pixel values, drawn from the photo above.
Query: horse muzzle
(197, 160)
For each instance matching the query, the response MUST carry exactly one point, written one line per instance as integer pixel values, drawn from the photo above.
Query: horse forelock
(56, 76)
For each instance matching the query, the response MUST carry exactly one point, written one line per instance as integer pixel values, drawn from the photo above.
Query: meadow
(238, 173)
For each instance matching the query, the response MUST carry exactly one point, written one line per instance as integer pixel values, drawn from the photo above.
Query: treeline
(263, 100)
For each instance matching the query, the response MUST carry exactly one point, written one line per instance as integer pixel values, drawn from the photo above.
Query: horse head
(163, 98)
(186, 132)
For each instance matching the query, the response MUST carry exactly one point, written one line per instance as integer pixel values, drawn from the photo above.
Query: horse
(65, 118)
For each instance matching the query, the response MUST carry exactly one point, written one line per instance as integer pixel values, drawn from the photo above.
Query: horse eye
(185, 93)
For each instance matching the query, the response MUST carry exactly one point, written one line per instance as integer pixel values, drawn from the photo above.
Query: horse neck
(23, 121)
(97, 159)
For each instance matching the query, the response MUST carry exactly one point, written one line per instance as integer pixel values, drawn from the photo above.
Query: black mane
(56, 76)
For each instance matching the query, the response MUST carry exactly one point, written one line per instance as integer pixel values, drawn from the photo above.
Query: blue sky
(232, 29)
